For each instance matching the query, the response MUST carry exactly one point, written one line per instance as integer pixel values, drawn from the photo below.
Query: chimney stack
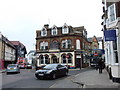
(46, 26)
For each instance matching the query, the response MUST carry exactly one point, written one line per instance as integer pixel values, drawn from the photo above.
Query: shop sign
(78, 56)
(110, 35)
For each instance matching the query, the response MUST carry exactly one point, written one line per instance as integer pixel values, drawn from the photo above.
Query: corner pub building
(66, 45)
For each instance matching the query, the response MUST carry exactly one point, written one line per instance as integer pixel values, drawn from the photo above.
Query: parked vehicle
(22, 62)
(13, 68)
(52, 71)
(29, 66)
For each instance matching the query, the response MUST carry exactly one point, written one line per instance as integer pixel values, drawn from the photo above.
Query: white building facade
(7, 52)
(111, 21)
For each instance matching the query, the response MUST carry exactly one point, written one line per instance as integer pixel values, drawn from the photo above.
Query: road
(26, 79)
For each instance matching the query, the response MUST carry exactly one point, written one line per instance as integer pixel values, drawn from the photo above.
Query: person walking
(100, 65)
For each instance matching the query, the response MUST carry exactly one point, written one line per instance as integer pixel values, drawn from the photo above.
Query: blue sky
(19, 19)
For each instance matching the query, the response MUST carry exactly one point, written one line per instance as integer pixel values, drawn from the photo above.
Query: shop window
(70, 59)
(116, 56)
(47, 60)
(41, 59)
(115, 45)
(64, 59)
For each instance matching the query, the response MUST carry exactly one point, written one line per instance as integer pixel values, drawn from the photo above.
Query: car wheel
(66, 73)
(54, 76)
(38, 77)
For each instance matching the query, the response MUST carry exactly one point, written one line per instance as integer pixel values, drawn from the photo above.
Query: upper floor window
(66, 44)
(54, 45)
(44, 32)
(65, 29)
(111, 13)
(66, 58)
(85, 33)
(54, 30)
(44, 45)
(77, 44)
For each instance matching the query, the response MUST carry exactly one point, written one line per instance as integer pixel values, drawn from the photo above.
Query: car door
(61, 70)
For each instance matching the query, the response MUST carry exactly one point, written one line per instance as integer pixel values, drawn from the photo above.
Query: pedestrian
(96, 64)
(100, 65)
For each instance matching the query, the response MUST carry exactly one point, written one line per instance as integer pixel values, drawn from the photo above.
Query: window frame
(112, 13)
(78, 44)
(66, 44)
(65, 29)
(54, 31)
(44, 32)
(43, 45)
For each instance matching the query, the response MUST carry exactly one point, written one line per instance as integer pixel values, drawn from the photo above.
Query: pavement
(88, 79)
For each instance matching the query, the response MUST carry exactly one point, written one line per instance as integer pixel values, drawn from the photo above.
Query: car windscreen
(50, 66)
(11, 65)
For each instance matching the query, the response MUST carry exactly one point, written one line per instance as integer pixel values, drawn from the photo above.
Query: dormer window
(54, 30)
(44, 32)
(65, 29)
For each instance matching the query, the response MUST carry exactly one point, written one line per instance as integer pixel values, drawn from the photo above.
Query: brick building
(67, 45)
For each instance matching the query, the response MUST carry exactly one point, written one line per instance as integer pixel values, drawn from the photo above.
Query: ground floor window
(54, 59)
(47, 59)
(66, 57)
(116, 56)
(44, 59)
(70, 58)
(41, 59)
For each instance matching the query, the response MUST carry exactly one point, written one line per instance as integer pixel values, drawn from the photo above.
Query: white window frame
(65, 29)
(54, 29)
(78, 44)
(113, 14)
(44, 32)
(43, 44)
(66, 43)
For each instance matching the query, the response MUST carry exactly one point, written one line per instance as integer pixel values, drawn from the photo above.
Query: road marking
(52, 85)
(76, 75)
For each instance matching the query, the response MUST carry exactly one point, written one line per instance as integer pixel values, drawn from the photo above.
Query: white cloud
(19, 19)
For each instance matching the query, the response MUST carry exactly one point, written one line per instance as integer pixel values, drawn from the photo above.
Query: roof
(32, 51)
(98, 39)
(7, 42)
(17, 43)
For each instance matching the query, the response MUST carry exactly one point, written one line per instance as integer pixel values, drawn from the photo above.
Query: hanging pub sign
(95, 54)
(110, 35)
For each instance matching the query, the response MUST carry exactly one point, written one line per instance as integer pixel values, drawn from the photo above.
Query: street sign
(95, 54)
(67, 56)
